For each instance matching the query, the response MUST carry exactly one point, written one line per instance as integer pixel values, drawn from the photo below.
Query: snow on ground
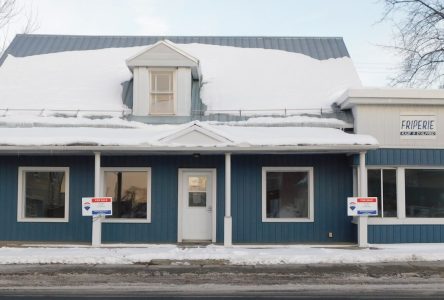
(234, 78)
(243, 255)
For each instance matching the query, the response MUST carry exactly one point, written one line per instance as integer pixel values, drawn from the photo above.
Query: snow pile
(241, 255)
(75, 80)
(264, 79)
(30, 120)
(157, 136)
(234, 78)
(289, 121)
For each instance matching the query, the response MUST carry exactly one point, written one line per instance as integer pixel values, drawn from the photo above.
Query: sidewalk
(219, 255)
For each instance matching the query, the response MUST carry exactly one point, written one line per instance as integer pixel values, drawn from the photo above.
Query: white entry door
(196, 205)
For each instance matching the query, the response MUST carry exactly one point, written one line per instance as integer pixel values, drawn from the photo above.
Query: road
(418, 280)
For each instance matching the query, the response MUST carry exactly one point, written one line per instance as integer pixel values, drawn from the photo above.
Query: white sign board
(362, 206)
(97, 206)
(417, 127)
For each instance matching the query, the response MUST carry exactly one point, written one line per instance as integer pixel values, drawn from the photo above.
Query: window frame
(402, 219)
(310, 199)
(150, 92)
(21, 194)
(148, 196)
(382, 189)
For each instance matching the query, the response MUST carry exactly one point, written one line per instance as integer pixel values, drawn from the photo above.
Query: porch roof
(189, 137)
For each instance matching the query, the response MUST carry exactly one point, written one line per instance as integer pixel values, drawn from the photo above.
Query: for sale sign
(362, 206)
(97, 206)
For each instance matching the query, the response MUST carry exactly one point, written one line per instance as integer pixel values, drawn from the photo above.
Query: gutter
(183, 150)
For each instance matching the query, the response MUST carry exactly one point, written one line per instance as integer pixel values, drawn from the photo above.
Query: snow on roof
(154, 136)
(305, 121)
(76, 80)
(233, 78)
(264, 79)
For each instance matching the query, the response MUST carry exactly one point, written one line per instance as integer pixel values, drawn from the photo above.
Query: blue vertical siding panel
(81, 184)
(332, 185)
(164, 197)
(405, 233)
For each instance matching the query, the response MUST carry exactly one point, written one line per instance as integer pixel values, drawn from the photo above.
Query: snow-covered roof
(233, 79)
(183, 137)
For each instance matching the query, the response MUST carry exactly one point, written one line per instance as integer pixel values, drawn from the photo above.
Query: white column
(363, 220)
(96, 221)
(228, 223)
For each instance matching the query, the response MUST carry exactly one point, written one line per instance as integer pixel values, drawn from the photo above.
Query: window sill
(406, 221)
(43, 220)
(126, 221)
(287, 220)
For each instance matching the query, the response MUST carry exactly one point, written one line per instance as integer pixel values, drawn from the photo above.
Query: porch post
(96, 221)
(362, 220)
(227, 220)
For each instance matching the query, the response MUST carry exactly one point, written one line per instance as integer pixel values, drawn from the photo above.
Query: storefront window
(287, 194)
(129, 190)
(424, 193)
(43, 194)
(382, 184)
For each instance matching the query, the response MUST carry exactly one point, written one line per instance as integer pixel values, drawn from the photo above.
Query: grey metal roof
(33, 44)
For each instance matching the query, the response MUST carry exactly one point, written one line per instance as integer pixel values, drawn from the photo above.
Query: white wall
(383, 122)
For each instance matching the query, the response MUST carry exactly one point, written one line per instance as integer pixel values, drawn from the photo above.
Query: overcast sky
(355, 20)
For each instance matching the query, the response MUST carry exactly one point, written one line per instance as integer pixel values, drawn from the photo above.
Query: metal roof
(33, 44)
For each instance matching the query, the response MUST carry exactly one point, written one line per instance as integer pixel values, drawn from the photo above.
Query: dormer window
(162, 92)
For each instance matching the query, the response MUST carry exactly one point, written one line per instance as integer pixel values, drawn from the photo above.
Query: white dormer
(163, 74)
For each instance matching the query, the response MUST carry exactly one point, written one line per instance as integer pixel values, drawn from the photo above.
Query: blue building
(217, 139)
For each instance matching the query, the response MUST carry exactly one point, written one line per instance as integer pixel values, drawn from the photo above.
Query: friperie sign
(417, 127)
(97, 206)
(362, 206)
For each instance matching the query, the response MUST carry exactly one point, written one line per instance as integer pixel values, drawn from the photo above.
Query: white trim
(150, 99)
(196, 128)
(309, 170)
(21, 194)
(167, 43)
(148, 191)
(180, 201)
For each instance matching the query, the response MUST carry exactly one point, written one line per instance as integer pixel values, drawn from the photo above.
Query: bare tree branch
(419, 40)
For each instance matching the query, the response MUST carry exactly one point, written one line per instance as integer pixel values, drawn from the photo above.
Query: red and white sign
(97, 206)
(362, 206)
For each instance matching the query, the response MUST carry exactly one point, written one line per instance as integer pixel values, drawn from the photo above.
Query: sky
(354, 20)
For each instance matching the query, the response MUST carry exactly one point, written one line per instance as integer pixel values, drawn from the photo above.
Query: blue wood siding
(78, 229)
(164, 186)
(387, 234)
(401, 157)
(332, 186)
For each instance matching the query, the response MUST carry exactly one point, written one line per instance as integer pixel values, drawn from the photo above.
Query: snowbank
(241, 255)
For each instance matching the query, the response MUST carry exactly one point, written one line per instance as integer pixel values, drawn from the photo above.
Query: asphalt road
(368, 281)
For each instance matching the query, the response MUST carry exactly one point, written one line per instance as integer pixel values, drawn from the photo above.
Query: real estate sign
(97, 206)
(362, 206)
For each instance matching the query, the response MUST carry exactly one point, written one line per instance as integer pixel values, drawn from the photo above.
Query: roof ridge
(181, 36)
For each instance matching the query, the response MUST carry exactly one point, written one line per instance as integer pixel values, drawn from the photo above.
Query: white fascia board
(167, 43)
(177, 150)
(390, 96)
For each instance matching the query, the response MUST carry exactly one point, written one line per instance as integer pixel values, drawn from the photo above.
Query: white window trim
(174, 70)
(400, 189)
(310, 194)
(148, 196)
(21, 194)
(382, 189)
